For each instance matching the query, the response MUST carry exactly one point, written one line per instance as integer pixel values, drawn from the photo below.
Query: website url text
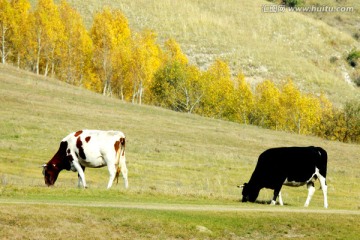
(270, 8)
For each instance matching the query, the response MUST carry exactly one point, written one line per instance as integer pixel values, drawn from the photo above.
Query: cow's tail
(322, 162)
(120, 156)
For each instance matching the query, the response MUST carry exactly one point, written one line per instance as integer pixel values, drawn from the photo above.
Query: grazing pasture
(183, 173)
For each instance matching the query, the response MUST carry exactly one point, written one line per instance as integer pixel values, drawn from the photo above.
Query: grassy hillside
(168, 152)
(344, 22)
(262, 45)
(172, 158)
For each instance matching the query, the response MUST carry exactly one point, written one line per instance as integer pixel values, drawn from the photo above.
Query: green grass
(47, 213)
(173, 159)
(262, 45)
(53, 221)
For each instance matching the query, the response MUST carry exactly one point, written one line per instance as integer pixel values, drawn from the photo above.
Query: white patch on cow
(293, 183)
(323, 187)
(280, 199)
(299, 184)
(311, 188)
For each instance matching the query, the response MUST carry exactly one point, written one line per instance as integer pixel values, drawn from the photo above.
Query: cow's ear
(241, 186)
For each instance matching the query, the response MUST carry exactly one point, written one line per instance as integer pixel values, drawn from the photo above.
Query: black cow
(291, 166)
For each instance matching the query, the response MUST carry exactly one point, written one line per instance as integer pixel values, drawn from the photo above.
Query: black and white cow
(290, 166)
(89, 148)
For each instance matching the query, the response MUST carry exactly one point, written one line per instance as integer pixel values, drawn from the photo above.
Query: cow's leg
(276, 194)
(124, 172)
(311, 190)
(79, 178)
(80, 171)
(118, 170)
(280, 199)
(324, 189)
(112, 173)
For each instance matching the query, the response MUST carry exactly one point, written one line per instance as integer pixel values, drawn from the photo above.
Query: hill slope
(348, 22)
(262, 45)
(168, 153)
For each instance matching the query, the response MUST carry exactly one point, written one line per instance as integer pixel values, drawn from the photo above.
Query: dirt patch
(188, 207)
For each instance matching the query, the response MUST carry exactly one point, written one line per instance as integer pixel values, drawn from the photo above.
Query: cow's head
(51, 173)
(249, 194)
(59, 162)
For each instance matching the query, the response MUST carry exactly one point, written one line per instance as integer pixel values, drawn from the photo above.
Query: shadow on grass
(265, 202)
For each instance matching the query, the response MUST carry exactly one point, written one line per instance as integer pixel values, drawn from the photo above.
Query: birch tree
(6, 22)
(49, 33)
(243, 100)
(218, 91)
(109, 30)
(301, 113)
(267, 109)
(145, 62)
(77, 51)
(22, 32)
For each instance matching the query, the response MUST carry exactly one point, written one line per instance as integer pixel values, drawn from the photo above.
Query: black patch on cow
(81, 149)
(69, 158)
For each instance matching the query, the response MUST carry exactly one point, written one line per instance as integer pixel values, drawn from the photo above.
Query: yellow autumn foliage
(51, 39)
